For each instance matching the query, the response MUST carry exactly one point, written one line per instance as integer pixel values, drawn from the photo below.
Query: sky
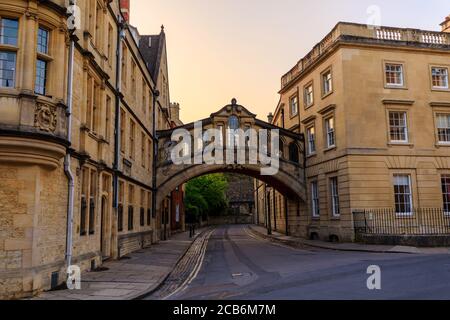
(224, 49)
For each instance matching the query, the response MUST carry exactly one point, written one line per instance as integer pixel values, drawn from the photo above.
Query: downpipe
(67, 159)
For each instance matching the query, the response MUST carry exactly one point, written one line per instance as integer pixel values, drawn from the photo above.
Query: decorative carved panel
(45, 117)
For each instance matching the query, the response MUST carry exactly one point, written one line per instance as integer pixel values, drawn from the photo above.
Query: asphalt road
(239, 266)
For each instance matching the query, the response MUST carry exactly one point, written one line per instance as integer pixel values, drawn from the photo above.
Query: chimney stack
(446, 24)
(125, 9)
(270, 117)
(175, 111)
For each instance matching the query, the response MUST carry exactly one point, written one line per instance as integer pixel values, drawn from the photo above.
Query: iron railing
(422, 221)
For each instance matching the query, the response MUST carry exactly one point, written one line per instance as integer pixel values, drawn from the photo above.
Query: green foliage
(205, 196)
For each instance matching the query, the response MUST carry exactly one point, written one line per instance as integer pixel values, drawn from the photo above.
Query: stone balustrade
(353, 30)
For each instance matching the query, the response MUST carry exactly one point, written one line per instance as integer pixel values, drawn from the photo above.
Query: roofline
(352, 40)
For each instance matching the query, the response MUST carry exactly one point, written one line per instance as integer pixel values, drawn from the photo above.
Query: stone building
(240, 194)
(77, 140)
(374, 106)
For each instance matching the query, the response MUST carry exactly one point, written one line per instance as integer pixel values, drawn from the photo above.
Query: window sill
(95, 136)
(44, 56)
(443, 145)
(313, 155)
(400, 144)
(332, 148)
(9, 47)
(335, 218)
(393, 86)
(443, 89)
(292, 116)
(325, 95)
(315, 218)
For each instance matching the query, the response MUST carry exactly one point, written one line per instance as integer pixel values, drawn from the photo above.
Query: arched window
(294, 153)
(233, 123)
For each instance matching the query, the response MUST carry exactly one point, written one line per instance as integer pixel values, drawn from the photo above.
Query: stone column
(28, 52)
(58, 67)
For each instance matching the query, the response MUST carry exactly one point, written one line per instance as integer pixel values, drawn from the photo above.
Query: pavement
(134, 277)
(241, 266)
(358, 247)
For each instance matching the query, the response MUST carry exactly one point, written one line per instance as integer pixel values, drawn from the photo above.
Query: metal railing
(422, 221)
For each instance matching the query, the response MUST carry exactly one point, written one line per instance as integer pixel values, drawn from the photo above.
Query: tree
(205, 196)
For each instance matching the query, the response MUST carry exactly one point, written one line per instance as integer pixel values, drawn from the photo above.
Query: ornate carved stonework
(45, 117)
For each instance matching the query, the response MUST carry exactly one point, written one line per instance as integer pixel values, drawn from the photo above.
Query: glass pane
(7, 69)
(41, 72)
(9, 31)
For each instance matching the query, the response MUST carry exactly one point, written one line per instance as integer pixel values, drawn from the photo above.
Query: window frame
(403, 84)
(315, 199)
(436, 115)
(327, 131)
(328, 70)
(14, 70)
(143, 149)
(132, 139)
(410, 194)
(406, 128)
(305, 95)
(439, 88)
(291, 99)
(46, 58)
(445, 196)
(11, 49)
(311, 152)
(335, 201)
(11, 18)
(47, 45)
(89, 193)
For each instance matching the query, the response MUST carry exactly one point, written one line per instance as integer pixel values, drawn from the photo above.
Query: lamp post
(269, 218)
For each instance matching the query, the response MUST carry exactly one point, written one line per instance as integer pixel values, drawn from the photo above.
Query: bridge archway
(289, 179)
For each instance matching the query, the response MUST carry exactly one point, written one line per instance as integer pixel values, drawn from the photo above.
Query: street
(239, 266)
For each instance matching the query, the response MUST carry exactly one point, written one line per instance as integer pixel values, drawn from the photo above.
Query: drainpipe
(67, 159)
(155, 153)
(120, 36)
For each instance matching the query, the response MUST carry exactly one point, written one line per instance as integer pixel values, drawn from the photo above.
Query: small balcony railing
(422, 221)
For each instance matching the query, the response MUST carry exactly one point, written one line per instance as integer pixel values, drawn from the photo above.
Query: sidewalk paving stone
(131, 278)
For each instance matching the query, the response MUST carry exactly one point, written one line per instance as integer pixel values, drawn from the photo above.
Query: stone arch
(283, 182)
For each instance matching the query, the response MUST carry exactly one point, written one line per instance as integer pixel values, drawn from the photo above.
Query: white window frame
(402, 74)
(444, 75)
(330, 131)
(327, 82)
(311, 140)
(408, 195)
(309, 95)
(447, 115)
(335, 200)
(406, 130)
(293, 112)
